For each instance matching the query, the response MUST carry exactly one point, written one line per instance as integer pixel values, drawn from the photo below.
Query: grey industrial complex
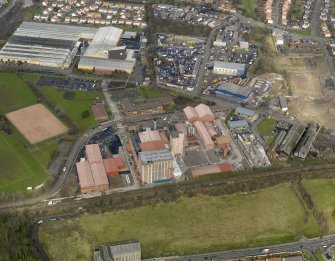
(55, 45)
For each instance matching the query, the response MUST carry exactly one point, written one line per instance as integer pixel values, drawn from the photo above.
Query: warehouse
(204, 112)
(283, 103)
(244, 112)
(93, 154)
(45, 44)
(113, 166)
(234, 90)
(199, 171)
(238, 124)
(105, 66)
(228, 68)
(292, 138)
(307, 140)
(85, 177)
(204, 135)
(156, 166)
(190, 114)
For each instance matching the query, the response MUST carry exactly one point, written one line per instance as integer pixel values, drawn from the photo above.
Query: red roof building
(204, 112)
(190, 114)
(152, 145)
(85, 177)
(99, 176)
(204, 135)
(93, 154)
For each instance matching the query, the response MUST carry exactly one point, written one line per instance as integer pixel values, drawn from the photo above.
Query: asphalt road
(310, 244)
(315, 18)
(276, 12)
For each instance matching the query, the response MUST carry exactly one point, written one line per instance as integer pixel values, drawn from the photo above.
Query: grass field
(149, 92)
(14, 94)
(74, 108)
(265, 128)
(18, 167)
(249, 7)
(191, 225)
(323, 194)
(30, 77)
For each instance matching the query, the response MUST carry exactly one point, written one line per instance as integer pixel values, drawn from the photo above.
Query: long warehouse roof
(106, 64)
(105, 39)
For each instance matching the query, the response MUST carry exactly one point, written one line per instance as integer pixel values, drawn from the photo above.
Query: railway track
(135, 197)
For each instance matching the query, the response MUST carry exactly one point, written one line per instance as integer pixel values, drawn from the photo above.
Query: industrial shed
(113, 166)
(292, 138)
(228, 68)
(152, 145)
(105, 39)
(245, 112)
(93, 153)
(204, 135)
(210, 129)
(199, 171)
(204, 112)
(149, 135)
(190, 114)
(44, 44)
(85, 177)
(238, 124)
(105, 66)
(234, 90)
(99, 176)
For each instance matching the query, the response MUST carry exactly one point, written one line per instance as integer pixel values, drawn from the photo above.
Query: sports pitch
(22, 165)
(19, 169)
(36, 123)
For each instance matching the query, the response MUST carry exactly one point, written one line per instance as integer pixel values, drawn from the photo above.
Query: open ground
(36, 123)
(309, 101)
(75, 105)
(190, 225)
(22, 164)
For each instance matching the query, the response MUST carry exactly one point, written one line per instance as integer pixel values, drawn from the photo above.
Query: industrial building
(307, 140)
(177, 139)
(91, 172)
(199, 171)
(155, 166)
(113, 166)
(99, 112)
(190, 114)
(204, 135)
(283, 103)
(56, 45)
(241, 124)
(144, 108)
(204, 112)
(129, 251)
(244, 112)
(50, 45)
(292, 138)
(228, 68)
(234, 90)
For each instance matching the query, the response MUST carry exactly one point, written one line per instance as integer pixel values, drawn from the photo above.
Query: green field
(265, 128)
(149, 92)
(190, 225)
(75, 107)
(22, 164)
(14, 94)
(323, 195)
(249, 7)
(18, 167)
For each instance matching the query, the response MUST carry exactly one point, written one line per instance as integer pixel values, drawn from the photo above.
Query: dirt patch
(36, 123)
(309, 100)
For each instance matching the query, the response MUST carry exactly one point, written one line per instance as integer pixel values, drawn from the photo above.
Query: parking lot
(70, 84)
(180, 60)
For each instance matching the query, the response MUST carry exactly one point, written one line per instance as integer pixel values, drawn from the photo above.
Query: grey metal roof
(238, 124)
(107, 64)
(233, 88)
(124, 248)
(245, 111)
(227, 65)
(157, 155)
(292, 138)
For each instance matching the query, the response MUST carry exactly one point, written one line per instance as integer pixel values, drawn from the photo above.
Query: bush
(85, 114)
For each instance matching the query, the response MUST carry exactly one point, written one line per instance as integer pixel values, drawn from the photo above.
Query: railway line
(152, 194)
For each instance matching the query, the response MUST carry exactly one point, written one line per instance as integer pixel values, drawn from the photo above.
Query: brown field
(309, 100)
(36, 123)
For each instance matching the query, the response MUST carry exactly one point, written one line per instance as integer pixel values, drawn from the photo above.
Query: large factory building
(55, 45)
(156, 166)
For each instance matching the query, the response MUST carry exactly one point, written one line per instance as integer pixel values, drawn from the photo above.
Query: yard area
(190, 225)
(150, 92)
(75, 104)
(265, 128)
(323, 195)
